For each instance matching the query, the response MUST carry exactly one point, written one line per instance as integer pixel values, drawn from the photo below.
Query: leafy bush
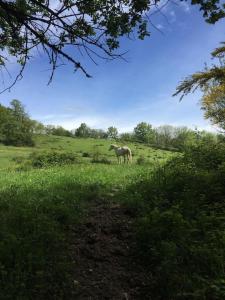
(206, 155)
(102, 160)
(141, 160)
(41, 160)
(18, 159)
(98, 156)
(86, 154)
(180, 229)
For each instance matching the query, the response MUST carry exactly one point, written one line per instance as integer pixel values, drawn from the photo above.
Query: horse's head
(112, 147)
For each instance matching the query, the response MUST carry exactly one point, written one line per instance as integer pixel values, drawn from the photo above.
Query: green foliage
(16, 127)
(99, 157)
(112, 132)
(34, 256)
(143, 132)
(102, 160)
(206, 155)
(141, 160)
(83, 131)
(86, 154)
(98, 134)
(126, 137)
(41, 160)
(212, 83)
(213, 10)
(180, 231)
(179, 207)
(94, 27)
(58, 130)
(49, 143)
(38, 211)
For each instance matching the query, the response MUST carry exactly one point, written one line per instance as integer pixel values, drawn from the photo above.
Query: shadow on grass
(35, 228)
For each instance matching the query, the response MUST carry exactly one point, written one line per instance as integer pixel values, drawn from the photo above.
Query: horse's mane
(114, 145)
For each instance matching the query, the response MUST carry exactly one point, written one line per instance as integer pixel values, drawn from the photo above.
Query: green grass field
(177, 210)
(38, 206)
(78, 147)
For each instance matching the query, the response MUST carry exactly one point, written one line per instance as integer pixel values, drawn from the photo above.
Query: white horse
(120, 152)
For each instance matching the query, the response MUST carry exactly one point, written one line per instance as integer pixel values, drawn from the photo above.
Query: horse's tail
(129, 155)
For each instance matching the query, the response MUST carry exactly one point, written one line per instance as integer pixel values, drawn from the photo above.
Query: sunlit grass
(77, 146)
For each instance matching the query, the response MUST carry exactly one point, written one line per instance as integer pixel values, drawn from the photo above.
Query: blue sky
(125, 93)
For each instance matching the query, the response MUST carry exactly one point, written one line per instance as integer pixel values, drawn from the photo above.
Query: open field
(39, 207)
(83, 148)
(107, 231)
(39, 210)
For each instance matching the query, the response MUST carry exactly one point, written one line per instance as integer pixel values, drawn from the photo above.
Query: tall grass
(180, 225)
(38, 209)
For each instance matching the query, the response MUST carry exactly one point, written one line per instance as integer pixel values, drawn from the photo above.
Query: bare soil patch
(106, 266)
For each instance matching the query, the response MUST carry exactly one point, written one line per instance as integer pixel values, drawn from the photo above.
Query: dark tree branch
(93, 28)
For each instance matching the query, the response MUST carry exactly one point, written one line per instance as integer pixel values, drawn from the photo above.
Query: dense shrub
(86, 154)
(141, 160)
(99, 157)
(180, 230)
(41, 160)
(206, 155)
(102, 160)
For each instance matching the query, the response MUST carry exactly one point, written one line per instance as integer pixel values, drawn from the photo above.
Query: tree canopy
(143, 132)
(91, 28)
(212, 82)
(112, 132)
(16, 128)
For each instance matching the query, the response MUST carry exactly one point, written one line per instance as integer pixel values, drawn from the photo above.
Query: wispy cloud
(171, 112)
(172, 16)
(160, 26)
(185, 6)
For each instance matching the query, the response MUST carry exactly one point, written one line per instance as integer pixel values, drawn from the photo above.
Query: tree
(38, 127)
(60, 131)
(183, 138)
(4, 116)
(143, 132)
(212, 83)
(16, 126)
(64, 28)
(112, 132)
(213, 103)
(98, 134)
(166, 135)
(49, 128)
(126, 136)
(83, 131)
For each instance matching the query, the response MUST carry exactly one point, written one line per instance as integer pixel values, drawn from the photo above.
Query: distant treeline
(16, 128)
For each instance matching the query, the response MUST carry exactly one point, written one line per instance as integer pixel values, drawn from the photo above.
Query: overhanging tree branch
(91, 27)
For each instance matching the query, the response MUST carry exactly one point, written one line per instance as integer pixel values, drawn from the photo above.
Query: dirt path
(103, 248)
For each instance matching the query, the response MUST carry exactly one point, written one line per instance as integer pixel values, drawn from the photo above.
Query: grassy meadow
(177, 202)
(84, 149)
(39, 205)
